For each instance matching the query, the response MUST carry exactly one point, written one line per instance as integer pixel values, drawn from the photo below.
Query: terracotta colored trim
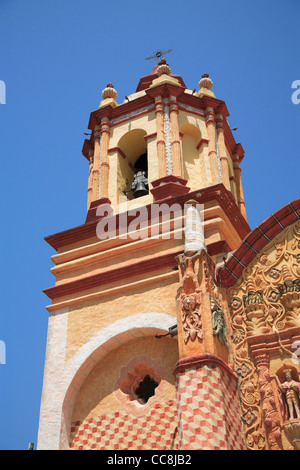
(217, 193)
(87, 146)
(255, 241)
(113, 275)
(165, 90)
(203, 359)
(129, 118)
(150, 136)
(111, 291)
(202, 141)
(191, 111)
(219, 247)
(146, 81)
(269, 343)
(117, 149)
(118, 111)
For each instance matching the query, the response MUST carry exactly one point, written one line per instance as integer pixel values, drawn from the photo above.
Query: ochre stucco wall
(90, 317)
(102, 420)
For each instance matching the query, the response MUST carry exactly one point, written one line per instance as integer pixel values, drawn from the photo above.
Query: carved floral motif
(255, 437)
(266, 299)
(197, 277)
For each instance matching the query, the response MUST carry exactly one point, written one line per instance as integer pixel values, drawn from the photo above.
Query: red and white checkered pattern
(209, 416)
(156, 430)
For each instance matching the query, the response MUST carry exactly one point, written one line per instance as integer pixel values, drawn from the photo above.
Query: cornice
(155, 263)
(230, 272)
(217, 192)
(165, 90)
(120, 110)
(272, 343)
(201, 360)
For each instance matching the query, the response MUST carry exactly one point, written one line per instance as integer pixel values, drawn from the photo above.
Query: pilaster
(222, 150)
(104, 158)
(239, 187)
(160, 138)
(96, 164)
(209, 414)
(212, 148)
(175, 140)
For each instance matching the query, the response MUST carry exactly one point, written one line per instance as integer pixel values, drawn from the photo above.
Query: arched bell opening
(133, 165)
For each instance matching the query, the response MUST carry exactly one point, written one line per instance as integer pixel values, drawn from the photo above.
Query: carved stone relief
(265, 301)
(197, 278)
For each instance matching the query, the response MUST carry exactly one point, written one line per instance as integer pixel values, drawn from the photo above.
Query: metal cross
(158, 55)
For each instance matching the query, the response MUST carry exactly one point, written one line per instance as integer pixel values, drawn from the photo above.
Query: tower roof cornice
(164, 90)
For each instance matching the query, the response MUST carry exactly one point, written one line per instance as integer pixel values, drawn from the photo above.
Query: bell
(139, 186)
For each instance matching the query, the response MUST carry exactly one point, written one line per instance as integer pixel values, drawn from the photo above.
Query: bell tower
(138, 349)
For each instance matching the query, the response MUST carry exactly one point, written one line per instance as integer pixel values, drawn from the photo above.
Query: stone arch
(103, 342)
(133, 146)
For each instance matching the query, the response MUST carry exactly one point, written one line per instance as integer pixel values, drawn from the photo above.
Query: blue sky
(56, 58)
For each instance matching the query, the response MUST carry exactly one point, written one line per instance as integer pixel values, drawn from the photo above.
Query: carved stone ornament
(248, 381)
(191, 316)
(266, 300)
(196, 278)
(292, 431)
(109, 92)
(289, 393)
(218, 321)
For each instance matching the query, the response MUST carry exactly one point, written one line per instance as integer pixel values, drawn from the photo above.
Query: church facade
(172, 324)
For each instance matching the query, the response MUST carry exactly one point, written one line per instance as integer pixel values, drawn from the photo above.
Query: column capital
(262, 360)
(105, 126)
(97, 131)
(209, 115)
(219, 121)
(174, 107)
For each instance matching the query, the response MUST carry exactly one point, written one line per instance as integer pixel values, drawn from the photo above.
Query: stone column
(160, 142)
(270, 415)
(212, 149)
(104, 158)
(90, 179)
(222, 151)
(209, 416)
(239, 187)
(175, 140)
(96, 165)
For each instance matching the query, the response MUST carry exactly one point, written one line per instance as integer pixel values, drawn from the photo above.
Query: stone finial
(205, 82)
(109, 92)
(163, 68)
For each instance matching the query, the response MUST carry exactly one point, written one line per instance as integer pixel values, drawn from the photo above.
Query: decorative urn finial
(109, 92)
(205, 82)
(163, 68)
